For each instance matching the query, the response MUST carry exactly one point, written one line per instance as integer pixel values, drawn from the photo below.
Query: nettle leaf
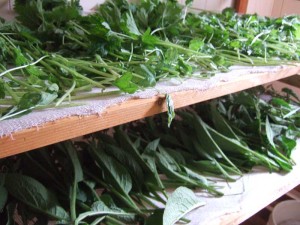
(34, 194)
(124, 83)
(3, 197)
(170, 107)
(181, 202)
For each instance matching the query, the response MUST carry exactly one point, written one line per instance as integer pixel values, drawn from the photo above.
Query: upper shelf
(130, 110)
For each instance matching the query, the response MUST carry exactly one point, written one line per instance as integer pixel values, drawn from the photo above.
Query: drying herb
(52, 52)
(123, 176)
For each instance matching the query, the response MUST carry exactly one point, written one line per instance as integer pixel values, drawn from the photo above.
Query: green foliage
(182, 201)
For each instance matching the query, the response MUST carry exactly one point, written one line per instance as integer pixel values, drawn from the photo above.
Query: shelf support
(241, 6)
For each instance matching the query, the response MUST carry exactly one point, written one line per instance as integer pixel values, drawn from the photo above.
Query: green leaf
(35, 195)
(188, 2)
(146, 160)
(297, 31)
(269, 132)
(3, 197)
(235, 147)
(129, 26)
(170, 107)
(114, 172)
(155, 218)
(181, 202)
(208, 142)
(99, 209)
(288, 145)
(280, 102)
(220, 123)
(196, 44)
(2, 90)
(77, 169)
(124, 83)
(128, 161)
(149, 39)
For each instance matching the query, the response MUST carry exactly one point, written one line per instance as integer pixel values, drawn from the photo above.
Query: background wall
(274, 8)
(213, 5)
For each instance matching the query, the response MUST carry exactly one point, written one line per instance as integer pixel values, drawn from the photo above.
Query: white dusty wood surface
(246, 196)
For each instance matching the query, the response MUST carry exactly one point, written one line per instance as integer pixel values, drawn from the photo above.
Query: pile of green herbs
(52, 55)
(121, 175)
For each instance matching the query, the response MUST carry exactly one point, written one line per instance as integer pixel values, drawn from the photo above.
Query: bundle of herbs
(123, 175)
(52, 52)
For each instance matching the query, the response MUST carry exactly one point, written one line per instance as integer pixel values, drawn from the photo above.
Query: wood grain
(131, 110)
(241, 6)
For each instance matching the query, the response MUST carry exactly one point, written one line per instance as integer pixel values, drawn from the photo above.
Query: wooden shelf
(246, 196)
(130, 110)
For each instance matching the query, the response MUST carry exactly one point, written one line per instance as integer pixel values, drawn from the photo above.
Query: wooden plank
(241, 6)
(131, 110)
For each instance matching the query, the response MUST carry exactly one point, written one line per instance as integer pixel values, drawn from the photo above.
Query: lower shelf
(245, 197)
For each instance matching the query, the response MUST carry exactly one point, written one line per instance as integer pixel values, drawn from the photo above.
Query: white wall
(214, 5)
(6, 9)
(274, 8)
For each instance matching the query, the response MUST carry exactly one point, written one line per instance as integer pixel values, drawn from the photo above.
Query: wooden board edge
(241, 6)
(128, 111)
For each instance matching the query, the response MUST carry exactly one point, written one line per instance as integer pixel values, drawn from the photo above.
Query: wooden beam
(241, 6)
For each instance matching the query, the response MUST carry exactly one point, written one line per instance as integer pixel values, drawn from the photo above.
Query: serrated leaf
(181, 202)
